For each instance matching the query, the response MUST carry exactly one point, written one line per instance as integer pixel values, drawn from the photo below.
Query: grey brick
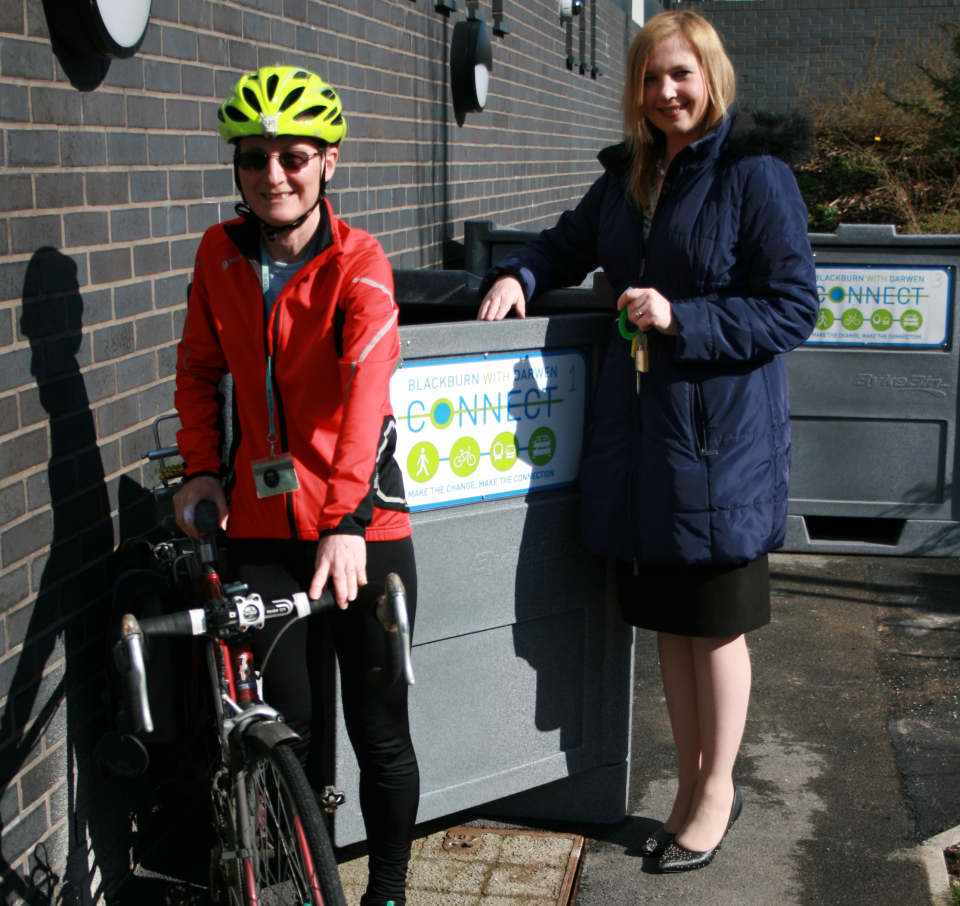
(15, 368)
(126, 73)
(60, 106)
(116, 415)
(109, 265)
(11, 502)
(202, 149)
(197, 80)
(38, 490)
(153, 330)
(30, 704)
(295, 9)
(6, 331)
(161, 75)
(136, 371)
(307, 39)
(106, 188)
(132, 299)
(151, 259)
(183, 114)
(9, 421)
(100, 108)
(243, 55)
(283, 33)
(9, 808)
(129, 224)
(25, 59)
(24, 835)
(143, 113)
(169, 221)
(165, 149)
(95, 307)
(85, 228)
(171, 291)
(113, 341)
(164, 9)
(167, 360)
(256, 28)
(14, 588)
(11, 22)
(209, 122)
(36, 20)
(151, 41)
(196, 13)
(179, 43)
(227, 20)
(124, 148)
(45, 775)
(147, 185)
(82, 149)
(33, 149)
(32, 233)
(16, 193)
(23, 452)
(213, 50)
(217, 183)
(186, 184)
(58, 190)
(156, 400)
(183, 253)
(14, 104)
(202, 216)
(100, 383)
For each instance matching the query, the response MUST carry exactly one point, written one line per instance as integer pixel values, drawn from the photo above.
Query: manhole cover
(482, 866)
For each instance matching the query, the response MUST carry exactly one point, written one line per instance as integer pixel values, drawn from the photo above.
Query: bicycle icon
(465, 457)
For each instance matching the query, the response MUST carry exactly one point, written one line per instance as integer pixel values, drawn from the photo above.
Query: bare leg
(680, 691)
(723, 676)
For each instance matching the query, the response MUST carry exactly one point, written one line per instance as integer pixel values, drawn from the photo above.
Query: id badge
(274, 476)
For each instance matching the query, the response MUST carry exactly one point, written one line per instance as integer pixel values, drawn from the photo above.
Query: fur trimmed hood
(786, 136)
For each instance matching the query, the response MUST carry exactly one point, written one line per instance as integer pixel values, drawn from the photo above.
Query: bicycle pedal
(330, 799)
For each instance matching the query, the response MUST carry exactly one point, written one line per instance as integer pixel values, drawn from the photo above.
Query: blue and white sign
(480, 427)
(883, 306)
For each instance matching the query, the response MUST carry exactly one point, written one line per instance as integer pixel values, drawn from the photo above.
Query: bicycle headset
(281, 100)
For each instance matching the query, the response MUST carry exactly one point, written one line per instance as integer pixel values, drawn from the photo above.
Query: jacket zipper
(281, 415)
(700, 424)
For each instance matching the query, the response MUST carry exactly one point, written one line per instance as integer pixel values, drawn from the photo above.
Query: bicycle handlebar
(129, 658)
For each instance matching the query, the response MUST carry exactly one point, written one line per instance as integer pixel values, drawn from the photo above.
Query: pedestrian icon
(423, 461)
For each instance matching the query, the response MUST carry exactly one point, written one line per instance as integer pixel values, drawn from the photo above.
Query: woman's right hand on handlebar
(505, 294)
(185, 501)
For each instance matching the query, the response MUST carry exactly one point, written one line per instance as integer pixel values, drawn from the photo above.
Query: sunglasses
(289, 160)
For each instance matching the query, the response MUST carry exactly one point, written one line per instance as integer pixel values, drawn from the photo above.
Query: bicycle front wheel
(292, 860)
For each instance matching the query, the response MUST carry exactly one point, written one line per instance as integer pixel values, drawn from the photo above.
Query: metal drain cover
(483, 866)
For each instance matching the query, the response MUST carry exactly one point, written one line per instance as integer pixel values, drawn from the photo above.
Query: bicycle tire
(293, 862)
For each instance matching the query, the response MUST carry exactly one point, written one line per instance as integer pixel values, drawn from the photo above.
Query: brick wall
(103, 198)
(782, 49)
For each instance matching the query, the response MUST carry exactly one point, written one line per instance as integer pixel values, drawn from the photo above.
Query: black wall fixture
(471, 62)
(87, 34)
(500, 28)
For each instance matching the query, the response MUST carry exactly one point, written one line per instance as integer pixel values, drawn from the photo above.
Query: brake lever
(130, 662)
(393, 616)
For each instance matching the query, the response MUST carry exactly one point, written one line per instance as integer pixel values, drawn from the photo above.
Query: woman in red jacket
(299, 309)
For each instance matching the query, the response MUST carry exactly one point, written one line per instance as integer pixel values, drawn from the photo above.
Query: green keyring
(628, 330)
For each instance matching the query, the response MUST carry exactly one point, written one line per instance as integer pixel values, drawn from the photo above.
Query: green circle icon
(837, 294)
(824, 319)
(503, 451)
(441, 413)
(852, 319)
(423, 461)
(464, 456)
(881, 320)
(911, 320)
(542, 446)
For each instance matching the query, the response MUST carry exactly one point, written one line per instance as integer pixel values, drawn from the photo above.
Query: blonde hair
(646, 142)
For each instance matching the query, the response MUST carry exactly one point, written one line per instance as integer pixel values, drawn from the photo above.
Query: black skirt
(698, 601)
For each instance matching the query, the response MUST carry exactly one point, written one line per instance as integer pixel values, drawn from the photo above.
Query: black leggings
(376, 719)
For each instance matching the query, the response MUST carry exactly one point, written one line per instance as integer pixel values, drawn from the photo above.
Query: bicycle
(272, 845)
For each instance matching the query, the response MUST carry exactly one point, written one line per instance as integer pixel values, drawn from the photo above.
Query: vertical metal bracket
(500, 28)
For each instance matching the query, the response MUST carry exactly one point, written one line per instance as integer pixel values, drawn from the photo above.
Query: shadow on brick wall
(53, 712)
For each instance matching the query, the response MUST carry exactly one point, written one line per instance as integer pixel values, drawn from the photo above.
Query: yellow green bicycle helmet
(282, 100)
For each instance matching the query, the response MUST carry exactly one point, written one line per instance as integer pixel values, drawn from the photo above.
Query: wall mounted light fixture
(471, 62)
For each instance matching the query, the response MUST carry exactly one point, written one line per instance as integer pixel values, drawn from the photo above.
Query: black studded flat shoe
(657, 842)
(676, 858)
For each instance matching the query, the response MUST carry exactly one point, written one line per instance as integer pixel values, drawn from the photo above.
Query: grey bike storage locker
(524, 668)
(875, 427)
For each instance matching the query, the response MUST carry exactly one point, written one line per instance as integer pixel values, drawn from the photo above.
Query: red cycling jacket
(333, 335)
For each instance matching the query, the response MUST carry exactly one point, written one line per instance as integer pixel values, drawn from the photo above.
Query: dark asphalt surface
(851, 755)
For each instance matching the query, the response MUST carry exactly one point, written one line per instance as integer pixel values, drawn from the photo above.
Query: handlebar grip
(206, 518)
(186, 622)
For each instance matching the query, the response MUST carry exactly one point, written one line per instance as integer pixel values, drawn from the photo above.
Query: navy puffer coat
(694, 469)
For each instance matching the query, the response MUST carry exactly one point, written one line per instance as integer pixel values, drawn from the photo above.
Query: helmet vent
(272, 83)
(309, 115)
(329, 94)
(291, 99)
(337, 122)
(300, 74)
(238, 116)
(252, 100)
(220, 115)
